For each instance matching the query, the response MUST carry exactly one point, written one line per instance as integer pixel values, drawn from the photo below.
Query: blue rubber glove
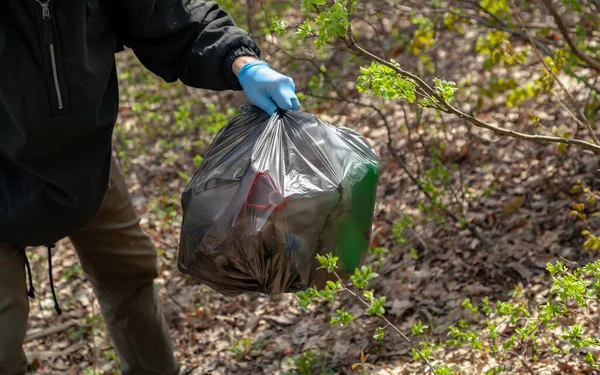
(268, 89)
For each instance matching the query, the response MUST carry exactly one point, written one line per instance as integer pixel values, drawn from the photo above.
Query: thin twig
(523, 362)
(93, 335)
(47, 355)
(579, 122)
(250, 11)
(541, 44)
(586, 317)
(366, 304)
(487, 11)
(409, 136)
(575, 264)
(503, 27)
(565, 33)
(582, 120)
(41, 333)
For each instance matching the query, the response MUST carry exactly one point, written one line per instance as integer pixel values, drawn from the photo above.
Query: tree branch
(503, 27)
(448, 108)
(594, 64)
(582, 120)
(39, 333)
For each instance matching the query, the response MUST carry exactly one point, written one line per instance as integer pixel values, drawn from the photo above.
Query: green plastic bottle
(354, 228)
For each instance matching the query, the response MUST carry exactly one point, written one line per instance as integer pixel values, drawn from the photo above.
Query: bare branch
(478, 5)
(581, 120)
(503, 27)
(542, 44)
(594, 64)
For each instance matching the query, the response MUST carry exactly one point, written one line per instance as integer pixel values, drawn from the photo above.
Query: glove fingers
(268, 106)
(285, 99)
(264, 102)
(295, 104)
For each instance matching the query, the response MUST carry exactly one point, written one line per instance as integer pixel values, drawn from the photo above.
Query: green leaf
(418, 328)
(589, 359)
(328, 262)
(379, 333)
(385, 82)
(574, 5)
(305, 30)
(343, 318)
(445, 89)
(313, 4)
(334, 286)
(362, 276)
(554, 269)
(305, 297)
(184, 176)
(278, 26)
(414, 253)
(376, 307)
(467, 304)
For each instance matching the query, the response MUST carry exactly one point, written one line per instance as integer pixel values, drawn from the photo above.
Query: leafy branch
(446, 107)
(336, 22)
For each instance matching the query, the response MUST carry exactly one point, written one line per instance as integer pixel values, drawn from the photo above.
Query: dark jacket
(59, 96)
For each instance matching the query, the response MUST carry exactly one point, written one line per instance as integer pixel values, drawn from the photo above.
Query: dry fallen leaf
(513, 205)
(399, 307)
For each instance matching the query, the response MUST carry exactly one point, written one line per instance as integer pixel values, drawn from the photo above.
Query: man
(58, 106)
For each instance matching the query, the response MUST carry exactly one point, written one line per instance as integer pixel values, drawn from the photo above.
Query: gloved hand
(267, 88)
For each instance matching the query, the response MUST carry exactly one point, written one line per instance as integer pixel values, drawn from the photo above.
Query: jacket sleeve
(193, 41)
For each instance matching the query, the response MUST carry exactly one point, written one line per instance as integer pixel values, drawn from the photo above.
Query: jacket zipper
(48, 39)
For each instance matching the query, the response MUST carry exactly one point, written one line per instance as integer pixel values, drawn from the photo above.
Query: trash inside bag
(271, 194)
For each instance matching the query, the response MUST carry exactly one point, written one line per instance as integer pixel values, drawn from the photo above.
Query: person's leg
(14, 310)
(120, 260)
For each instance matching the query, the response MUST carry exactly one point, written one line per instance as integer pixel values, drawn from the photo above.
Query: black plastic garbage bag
(271, 194)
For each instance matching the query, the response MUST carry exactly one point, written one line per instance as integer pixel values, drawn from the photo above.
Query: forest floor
(524, 217)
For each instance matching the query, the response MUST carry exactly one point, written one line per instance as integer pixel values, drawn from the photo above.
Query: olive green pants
(120, 261)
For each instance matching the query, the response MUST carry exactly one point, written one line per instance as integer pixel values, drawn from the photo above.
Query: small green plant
(244, 348)
(519, 323)
(72, 273)
(241, 348)
(372, 304)
(379, 254)
(310, 362)
(584, 210)
(112, 356)
(166, 206)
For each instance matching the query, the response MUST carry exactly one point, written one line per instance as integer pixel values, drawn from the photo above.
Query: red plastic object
(271, 185)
